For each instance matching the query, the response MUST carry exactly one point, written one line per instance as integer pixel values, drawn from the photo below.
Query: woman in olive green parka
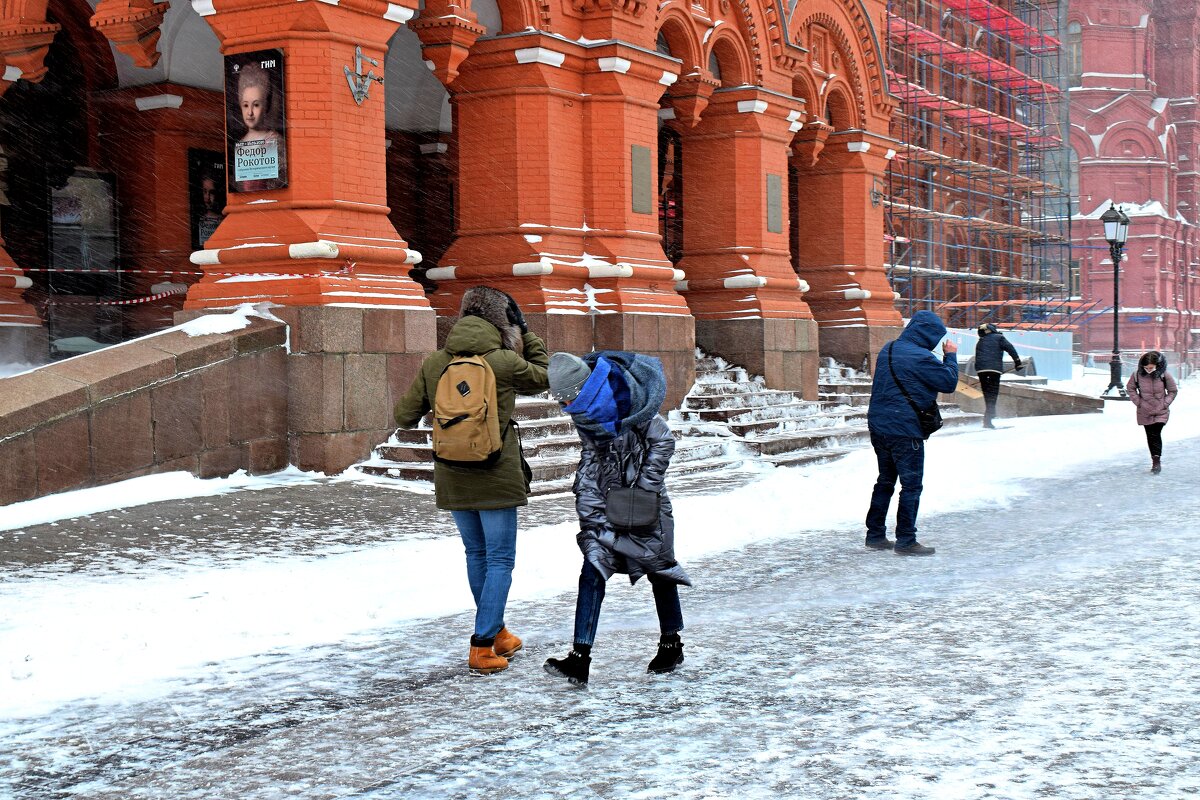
(484, 501)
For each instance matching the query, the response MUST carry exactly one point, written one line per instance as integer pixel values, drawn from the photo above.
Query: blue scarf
(602, 403)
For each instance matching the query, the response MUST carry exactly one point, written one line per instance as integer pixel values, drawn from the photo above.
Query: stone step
(756, 398)
(817, 438)
(844, 387)
(758, 429)
(794, 410)
(844, 399)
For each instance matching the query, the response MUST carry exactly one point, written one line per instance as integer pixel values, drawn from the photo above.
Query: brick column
(841, 248)
(323, 247)
(627, 270)
(740, 283)
(551, 137)
(327, 233)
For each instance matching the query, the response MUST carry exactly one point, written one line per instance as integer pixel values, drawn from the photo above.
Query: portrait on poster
(206, 193)
(255, 126)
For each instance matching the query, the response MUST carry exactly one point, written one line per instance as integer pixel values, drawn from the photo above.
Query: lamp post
(1116, 229)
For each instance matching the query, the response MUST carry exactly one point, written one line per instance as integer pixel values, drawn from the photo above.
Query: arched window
(714, 66)
(1075, 53)
(661, 45)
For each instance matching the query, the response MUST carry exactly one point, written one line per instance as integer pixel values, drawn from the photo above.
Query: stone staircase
(729, 417)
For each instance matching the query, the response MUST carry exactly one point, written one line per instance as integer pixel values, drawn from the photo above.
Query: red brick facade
(1134, 136)
(547, 182)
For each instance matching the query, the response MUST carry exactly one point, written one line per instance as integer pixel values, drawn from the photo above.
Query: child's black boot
(670, 654)
(575, 667)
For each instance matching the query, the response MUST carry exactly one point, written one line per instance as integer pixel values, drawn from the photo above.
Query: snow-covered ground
(103, 651)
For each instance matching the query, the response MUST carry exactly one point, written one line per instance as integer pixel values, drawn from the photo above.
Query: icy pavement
(1047, 650)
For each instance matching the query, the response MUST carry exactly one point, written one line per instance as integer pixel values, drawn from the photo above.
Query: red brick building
(1134, 71)
(638, 176)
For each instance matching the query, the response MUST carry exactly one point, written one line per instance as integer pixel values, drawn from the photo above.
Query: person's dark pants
(591, 596)
(903, 458)
(1154, 438)
(989, 383)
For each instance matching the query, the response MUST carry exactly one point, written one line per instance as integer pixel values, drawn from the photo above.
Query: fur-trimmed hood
(491, 305)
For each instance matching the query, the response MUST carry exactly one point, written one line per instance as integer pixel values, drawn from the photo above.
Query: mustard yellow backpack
(466, 422)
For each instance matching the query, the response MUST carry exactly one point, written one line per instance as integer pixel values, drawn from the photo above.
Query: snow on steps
(727, 418)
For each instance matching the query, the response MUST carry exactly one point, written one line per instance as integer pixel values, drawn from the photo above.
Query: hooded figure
(1152, 389)
(613, 399)
(896, 431)
(989, 366)
(484, 500)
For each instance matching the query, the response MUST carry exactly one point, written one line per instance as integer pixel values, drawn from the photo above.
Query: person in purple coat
(1152, 390)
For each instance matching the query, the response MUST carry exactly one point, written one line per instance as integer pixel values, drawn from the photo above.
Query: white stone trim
(794, 121)
(158, 101)
(11, 73)
(397, 13)
(204, 7)
(205, 258)
(540, 55)
(889, 155)
(614, 64)
(441, 273)
(668, 78)
(611, 271)
(318, 249)
(856, 294)
(858, 147)
(533, 268)
(752, 106)
(19, 281)
(745, 282)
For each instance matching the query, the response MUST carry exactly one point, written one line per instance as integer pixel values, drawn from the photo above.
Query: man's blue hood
(924, 329)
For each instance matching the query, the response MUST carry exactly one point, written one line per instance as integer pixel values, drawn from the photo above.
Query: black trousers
(1154, 438)
(989, 382)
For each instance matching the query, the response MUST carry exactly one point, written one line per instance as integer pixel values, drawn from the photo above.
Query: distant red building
(1134, 82)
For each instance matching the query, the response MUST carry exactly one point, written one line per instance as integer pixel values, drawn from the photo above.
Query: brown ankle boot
(507, 643)
(485, 661)
(1155, 464)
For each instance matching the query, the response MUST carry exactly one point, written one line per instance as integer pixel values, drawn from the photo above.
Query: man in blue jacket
(896, 432)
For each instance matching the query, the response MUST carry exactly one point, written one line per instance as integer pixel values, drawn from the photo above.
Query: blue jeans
(490, 539)
(903, 458)
(591, 596)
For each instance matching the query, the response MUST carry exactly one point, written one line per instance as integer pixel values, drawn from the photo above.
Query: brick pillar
(841, 247)
(327, 232)
(551, 138)
(633, 276)
(740, 283)
(323, 247)
(23, 337)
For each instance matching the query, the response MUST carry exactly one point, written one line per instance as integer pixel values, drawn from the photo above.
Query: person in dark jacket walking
(484, 500)
(613, 399)
(989, 366)
(1152, 390)
(896, 431)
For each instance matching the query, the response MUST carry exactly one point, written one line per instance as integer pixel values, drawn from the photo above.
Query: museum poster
(206, 193)
(255, 126)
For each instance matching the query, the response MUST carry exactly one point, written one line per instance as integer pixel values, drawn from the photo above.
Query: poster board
(206, 193)
(255, 126)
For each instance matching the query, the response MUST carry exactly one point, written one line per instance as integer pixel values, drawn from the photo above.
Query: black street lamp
(1116, 228)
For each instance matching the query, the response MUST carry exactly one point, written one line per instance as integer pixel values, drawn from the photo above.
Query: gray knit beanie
(567, 374)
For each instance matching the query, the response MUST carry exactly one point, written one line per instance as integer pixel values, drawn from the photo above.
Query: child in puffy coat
(1152, 390)
(613, 399)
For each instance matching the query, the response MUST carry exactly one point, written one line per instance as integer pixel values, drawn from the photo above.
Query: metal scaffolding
(978, 204)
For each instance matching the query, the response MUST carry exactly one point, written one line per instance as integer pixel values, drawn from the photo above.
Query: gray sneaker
(916, 549)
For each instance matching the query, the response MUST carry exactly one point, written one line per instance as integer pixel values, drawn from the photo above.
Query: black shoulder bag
(930, 419)
(631, 509)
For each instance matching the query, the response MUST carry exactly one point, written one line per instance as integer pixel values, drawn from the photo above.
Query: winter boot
(575, 667)
(507, 643)
(670, 654)
(483, 659)
(915, 549)
(880, 543)
(1155, 465)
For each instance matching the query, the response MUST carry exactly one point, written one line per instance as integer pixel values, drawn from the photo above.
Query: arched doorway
(61, 223)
